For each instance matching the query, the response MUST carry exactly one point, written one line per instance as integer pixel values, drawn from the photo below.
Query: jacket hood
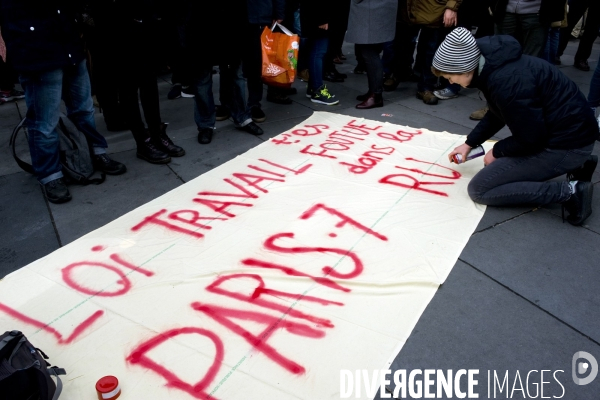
(497, 51)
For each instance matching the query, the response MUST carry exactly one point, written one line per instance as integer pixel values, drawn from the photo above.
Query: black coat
(314, 13)
(539, 104)
(263, 12)
(41, 35)
(214, 31)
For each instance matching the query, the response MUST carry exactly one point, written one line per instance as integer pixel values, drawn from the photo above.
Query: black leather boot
(166, 144)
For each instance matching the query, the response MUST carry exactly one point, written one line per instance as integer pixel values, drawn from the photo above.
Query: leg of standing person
(370, 53)
(594, 93)
(236, 98)
(428, 43)
(533, 33)
(316, 90)
(590, 33)
(360, 62)
(204, 104)
(252, 67)
(576, 10)
(552, 45)
(77, 94)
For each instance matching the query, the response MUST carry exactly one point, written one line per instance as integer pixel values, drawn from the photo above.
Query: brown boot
(479, 114)
(428, 97)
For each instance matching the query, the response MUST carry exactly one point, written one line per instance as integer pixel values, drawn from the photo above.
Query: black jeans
(511, 181)
(429, 39)
(374, 66)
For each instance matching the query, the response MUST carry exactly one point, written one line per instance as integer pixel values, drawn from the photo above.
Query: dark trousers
(592, 24)
(7, 76)
(177, 56)
(404, 49)
(106, 72)
(318, 49)
(374, 66)
(429, 39)
(511, 181)
(252, 63)
(337, 30)
(138, 75)
(527, 29)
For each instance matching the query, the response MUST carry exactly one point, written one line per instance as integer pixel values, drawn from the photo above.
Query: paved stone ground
(523, 295)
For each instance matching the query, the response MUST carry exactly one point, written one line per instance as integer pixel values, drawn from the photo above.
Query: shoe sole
(445, 97)
(187, 96)
(178, 154)
(587, 206)
(368, 108)
(259, 120)
(222, 118)
(324, 102)
(59, 201)
(163, 161)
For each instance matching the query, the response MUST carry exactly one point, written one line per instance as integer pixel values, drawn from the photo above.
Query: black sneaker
(104, 163)
(252, 129)
(187, 92)
(322, 96)
(167, 145)
(579, 205)
(56, 191)
(309, 92)
(258, 115)
(175, 92)
(360, 70)
(333, 77)
(205, 135)
(150, 152)
(585, 172)
(222, 113)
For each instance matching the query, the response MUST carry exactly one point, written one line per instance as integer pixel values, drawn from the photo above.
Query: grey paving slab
(499, 215)
(552, 264)
(28, 232)
(9, 118)
(474, 323)
(274, 128)
(226, 145)
(94, 206)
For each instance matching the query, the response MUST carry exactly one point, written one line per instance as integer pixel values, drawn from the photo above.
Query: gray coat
(372, 21)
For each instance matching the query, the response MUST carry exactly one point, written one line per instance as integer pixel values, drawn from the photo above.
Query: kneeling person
(553, 129)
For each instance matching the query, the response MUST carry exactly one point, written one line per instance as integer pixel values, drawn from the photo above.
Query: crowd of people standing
(55, 46)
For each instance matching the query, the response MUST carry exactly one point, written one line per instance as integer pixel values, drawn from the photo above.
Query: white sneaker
(445, 94)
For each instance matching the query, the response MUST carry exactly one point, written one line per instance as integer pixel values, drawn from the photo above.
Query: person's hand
(450, 18)
(489, 158)
(279, 21)
(463, 150)
(324, 26)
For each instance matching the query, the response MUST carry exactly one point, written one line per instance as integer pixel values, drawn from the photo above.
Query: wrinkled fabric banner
(314, 252)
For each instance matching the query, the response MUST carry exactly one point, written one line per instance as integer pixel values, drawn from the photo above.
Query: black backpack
(75, 153)
(24, 372)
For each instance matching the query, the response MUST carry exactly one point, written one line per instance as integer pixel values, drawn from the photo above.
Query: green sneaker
(322, 96)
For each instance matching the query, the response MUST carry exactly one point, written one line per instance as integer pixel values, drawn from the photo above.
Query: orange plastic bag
(279, 56)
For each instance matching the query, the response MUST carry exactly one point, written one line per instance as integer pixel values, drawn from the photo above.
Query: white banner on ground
(315, 252)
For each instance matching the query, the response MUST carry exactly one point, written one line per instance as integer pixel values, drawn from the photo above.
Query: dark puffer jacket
(539, 104)
(41, 35)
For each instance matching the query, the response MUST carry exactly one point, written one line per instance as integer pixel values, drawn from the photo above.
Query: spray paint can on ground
(474, 153)
(107, 388)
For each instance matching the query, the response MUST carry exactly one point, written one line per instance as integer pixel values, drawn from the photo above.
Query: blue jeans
(552, 45)
(232, 92)
(594, 94)
(318, 49)
(511, 181)
(43, 93)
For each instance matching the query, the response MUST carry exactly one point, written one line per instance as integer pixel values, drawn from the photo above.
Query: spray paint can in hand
(474, 153)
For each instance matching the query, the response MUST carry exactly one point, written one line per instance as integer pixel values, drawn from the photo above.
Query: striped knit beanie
(458, 53)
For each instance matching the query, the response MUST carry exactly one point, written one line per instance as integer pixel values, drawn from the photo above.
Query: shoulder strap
(13, 142)
(56, 372)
